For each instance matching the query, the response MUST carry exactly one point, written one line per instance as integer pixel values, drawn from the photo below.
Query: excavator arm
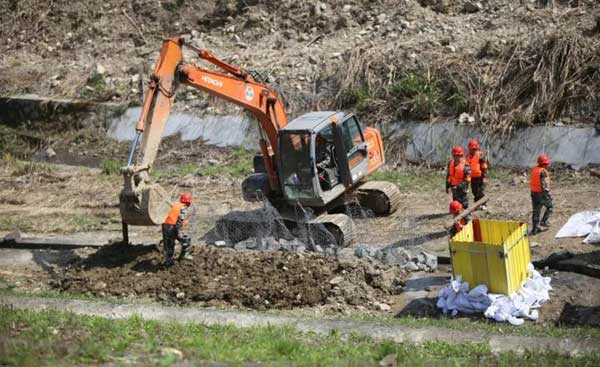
(144, 203)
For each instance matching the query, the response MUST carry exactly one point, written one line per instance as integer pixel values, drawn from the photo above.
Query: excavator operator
(172, 230)
(326, 167)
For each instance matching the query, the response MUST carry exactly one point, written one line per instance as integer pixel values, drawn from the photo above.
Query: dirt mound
(258, 280)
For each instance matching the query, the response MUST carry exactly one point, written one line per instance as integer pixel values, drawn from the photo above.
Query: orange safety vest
(535, 184)
(456, 174)
(174, 214)
(476, 167)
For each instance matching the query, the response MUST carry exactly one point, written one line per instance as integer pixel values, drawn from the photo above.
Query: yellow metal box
(491, 252)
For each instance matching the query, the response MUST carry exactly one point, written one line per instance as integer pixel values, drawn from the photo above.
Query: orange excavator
(320, 160)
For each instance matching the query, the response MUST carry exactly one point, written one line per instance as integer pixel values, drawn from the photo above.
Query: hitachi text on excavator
(320, 160)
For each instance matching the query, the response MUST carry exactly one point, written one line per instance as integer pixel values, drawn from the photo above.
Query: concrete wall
(228, 130)
(575, 146)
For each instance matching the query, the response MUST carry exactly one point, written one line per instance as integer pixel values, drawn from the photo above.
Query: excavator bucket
(144, 204)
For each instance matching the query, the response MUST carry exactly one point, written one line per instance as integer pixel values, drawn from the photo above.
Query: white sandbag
(594, 236)
(579, 224)
(514, 309)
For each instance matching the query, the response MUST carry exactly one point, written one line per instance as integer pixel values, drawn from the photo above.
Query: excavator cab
(325, 153)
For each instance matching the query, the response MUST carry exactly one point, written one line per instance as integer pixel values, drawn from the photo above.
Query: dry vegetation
(508, 63)
(529, 81)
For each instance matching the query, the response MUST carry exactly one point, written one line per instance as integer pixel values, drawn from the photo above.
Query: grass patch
(110, 167)
(461, 323)
(359, 98)
(52, 337)
(238, 164)
(58, 222)
(22, 168)
(419, 94)
(414, 179)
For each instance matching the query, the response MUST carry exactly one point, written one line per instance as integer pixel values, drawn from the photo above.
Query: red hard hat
(185, 198)
(458, 151)
(543, 159)
(473, 144)
(455, 207)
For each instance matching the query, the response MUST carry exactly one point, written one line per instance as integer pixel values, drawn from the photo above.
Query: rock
(166, 351)
(385, 280)
(220, 243)
(381, 18)
(472, 7)
(248, 244)
(100, 70)
(410, 266)
(49, 152)
(336, 280)
(13, 235)
(391, 360)
(393, 256)
(383, 306)
(313, 60)
(430, 260)
(465, 118)
(180, 295)
(362, 251)
(450, 48)
(100, 285)
(346, 8)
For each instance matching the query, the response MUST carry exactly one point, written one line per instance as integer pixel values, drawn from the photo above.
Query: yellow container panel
(497, 282)
(499, 260)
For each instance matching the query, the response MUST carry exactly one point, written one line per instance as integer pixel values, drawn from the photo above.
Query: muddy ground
(83, 205)
(257, 280)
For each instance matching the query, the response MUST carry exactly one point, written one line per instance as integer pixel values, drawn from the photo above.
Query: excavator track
(340, 226)
(383, 198)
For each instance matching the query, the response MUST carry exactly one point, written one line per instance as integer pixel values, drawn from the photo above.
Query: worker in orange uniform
(455, 209)
(172, 229)
(540, 194)
(458, 177)
(479, 166)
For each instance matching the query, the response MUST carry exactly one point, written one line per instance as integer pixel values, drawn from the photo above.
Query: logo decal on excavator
(249, 93)
(215, 82)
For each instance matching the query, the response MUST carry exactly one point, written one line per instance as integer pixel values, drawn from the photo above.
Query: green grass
(19, 167)
(488, 326)
(237, 164)
(50, 337)
(358, 98)
(420, 93)
(420, 179)
(111, 167)
(412, 178)
(464, 323)
(58, 222)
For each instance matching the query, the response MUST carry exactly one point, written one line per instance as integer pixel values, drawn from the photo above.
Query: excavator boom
(144, 203)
